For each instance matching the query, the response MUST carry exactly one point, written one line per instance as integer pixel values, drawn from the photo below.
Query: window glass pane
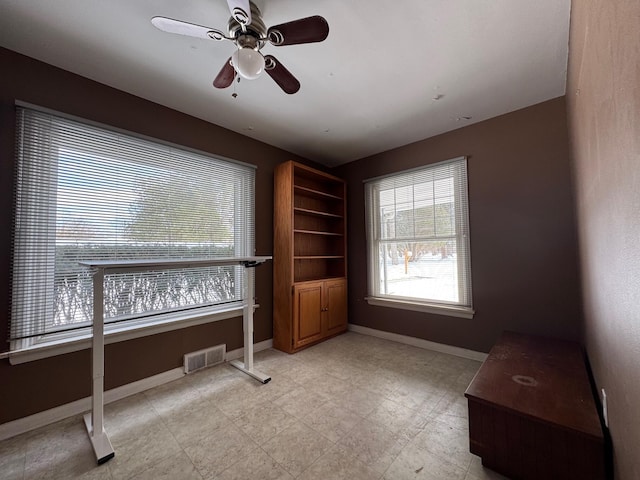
(445, 221)
(444, 207)
(423, 270)
(403, 221)
(88, 193)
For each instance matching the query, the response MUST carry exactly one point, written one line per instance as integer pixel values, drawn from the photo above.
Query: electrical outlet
(605, 414)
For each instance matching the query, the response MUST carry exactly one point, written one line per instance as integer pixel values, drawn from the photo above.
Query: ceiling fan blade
(283, 77)
(179, 27)
(225, 76)
(305, 30)
(240, 11)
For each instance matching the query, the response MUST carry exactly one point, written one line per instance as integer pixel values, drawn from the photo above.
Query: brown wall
(36, 386)
(523, 246)
(603, 91)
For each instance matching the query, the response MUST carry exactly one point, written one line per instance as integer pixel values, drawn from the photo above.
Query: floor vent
(204, 358)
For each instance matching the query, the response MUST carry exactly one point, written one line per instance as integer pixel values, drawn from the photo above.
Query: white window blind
(418, 236)
(89, 193)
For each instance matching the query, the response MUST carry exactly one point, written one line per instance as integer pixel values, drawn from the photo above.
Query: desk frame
(94, 420)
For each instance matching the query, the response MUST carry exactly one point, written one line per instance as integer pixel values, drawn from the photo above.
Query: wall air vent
(204, 358)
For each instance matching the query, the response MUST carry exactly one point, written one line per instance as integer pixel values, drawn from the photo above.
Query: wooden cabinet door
(336, 305)
(307, 313)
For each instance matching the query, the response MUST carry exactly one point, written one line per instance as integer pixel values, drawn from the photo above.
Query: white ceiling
(390, 72)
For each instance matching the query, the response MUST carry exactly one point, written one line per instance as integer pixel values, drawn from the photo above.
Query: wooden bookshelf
(310, 261)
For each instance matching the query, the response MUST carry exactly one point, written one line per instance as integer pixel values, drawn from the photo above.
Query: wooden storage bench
(532, 415)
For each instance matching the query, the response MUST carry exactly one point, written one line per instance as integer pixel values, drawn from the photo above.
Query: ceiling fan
(248, 32)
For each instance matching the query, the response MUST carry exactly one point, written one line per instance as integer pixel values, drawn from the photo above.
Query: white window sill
(115, 333)
(448, 310)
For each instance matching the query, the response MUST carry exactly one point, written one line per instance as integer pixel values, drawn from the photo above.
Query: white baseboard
(257, 347)
(420, 343)
(40, 419)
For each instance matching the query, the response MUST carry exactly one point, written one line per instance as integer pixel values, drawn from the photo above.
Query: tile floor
(354, 407)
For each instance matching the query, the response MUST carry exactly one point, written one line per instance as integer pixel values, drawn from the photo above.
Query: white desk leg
(247, 327)
(95, 420)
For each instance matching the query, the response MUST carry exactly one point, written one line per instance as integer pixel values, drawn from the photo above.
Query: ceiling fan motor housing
(255, 29)
(246, 40)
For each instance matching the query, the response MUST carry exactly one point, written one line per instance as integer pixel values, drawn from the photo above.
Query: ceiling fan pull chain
(234, 94)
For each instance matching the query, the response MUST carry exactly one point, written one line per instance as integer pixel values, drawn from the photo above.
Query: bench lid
(541, 378)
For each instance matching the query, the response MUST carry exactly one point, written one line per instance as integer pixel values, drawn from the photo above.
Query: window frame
(461, 309)
(52, 344)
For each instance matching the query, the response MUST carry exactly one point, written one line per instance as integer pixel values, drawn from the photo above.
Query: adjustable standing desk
(94, 420)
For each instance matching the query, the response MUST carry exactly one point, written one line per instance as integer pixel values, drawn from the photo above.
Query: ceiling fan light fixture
(249, 63)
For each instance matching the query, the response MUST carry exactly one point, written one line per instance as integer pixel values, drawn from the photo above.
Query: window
(418, 239)
(89, 193)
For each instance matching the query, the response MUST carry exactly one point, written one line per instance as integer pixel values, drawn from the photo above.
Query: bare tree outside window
(164, 214)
